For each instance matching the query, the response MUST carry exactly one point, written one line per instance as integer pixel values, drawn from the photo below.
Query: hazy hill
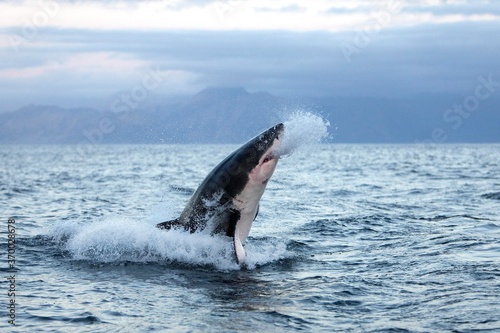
(213, 115)
(216, 115)
(233, 115)
(46, 124)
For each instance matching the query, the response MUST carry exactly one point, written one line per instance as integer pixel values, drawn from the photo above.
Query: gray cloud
(467, 8)
(354, 10)
(292, 8)
(439, 58)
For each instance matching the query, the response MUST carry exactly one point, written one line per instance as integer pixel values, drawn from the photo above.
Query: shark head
(259, 156)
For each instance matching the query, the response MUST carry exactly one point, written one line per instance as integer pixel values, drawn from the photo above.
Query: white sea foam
(302, 129)
(117, 240)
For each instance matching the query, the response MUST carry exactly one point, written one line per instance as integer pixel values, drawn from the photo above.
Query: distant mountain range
(233, 115)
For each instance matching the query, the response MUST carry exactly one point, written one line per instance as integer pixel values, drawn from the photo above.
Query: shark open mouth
(269, 157)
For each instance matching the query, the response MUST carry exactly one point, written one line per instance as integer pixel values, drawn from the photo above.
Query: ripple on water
(85, 318)
(491, 195)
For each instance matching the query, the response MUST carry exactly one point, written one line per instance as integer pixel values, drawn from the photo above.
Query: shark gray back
(227, 200)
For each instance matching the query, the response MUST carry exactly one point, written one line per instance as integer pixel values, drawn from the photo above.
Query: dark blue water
(349, 238)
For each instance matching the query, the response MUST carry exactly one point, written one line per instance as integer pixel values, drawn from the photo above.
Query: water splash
(303, 129)
(118, 239)
(124, 239)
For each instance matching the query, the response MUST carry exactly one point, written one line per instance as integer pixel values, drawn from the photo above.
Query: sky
(78, 53)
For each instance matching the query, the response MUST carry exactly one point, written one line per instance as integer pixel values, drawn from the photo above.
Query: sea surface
(349, 238)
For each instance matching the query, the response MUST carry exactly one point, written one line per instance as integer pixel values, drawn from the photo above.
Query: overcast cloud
(75, 53)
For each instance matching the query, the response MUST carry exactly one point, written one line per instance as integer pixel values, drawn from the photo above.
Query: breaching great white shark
(227, 201)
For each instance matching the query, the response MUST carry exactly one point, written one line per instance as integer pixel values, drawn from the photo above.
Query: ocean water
(349, 238)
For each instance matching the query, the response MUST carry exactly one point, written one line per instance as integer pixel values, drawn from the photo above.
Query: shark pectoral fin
(239, 250)
(167, 225)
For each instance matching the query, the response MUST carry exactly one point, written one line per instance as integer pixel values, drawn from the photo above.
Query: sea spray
(303, 129)
(116, 240)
